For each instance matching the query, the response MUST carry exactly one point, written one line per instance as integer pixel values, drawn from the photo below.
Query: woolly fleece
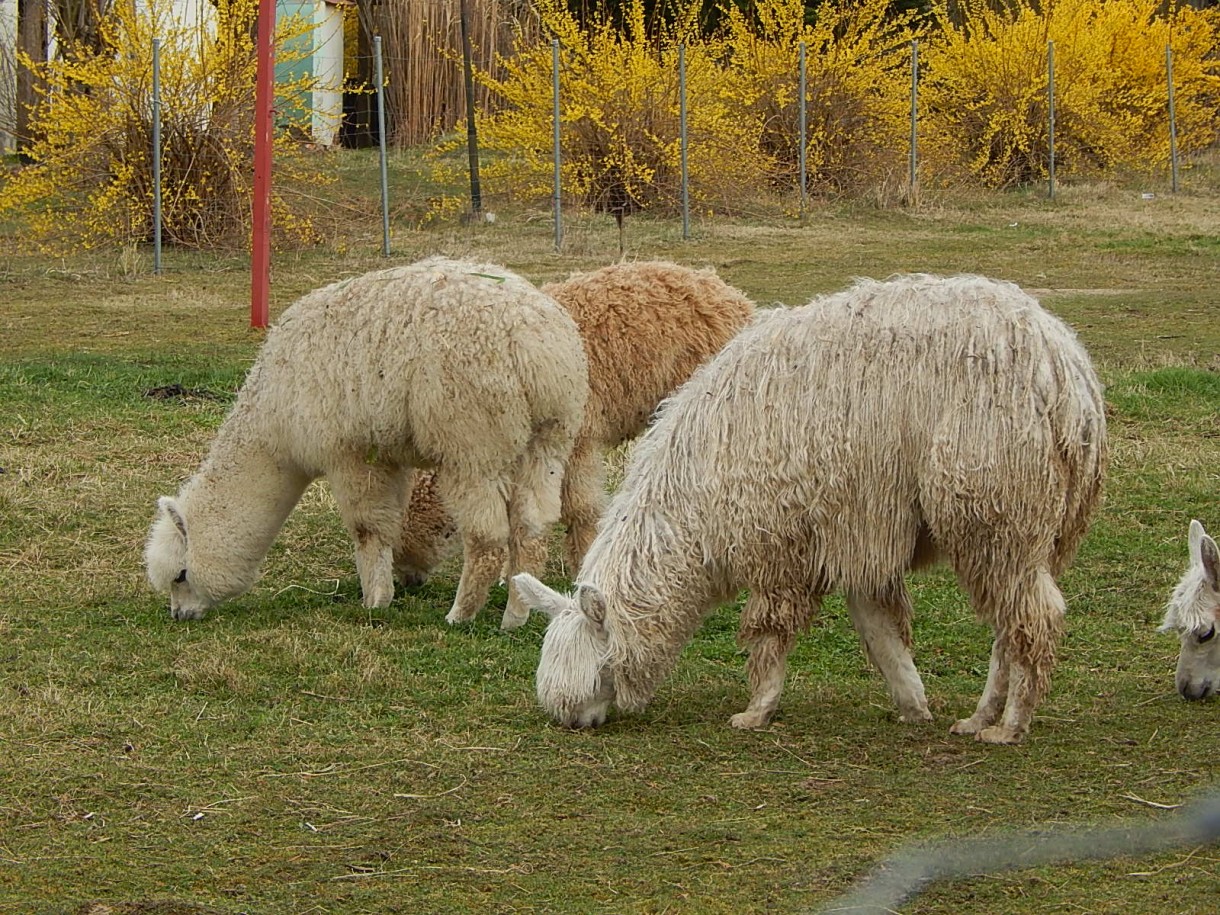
(645, 327)
(837, 446)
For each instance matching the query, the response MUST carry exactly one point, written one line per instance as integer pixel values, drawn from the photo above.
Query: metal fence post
(1050, 118)
(802, 128)
(682, 142)
(555, 118)
(1173, 123)
(913, 184)
(156, 153)
(264, 159)
(381, 143)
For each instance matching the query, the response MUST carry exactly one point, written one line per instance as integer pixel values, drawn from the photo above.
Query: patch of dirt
(178, 392)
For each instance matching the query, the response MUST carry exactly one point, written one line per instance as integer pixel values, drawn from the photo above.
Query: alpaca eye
(181, 577)
(1207, 636)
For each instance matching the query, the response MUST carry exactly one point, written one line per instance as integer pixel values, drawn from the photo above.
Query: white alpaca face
(1194, 612)
(165, 558)
(574, 680)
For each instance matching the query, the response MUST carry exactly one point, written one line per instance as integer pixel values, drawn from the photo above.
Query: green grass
(295, 752)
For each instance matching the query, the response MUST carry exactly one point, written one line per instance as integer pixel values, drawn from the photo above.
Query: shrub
(984, 90)
(857, 84)
(619, 95)
(90, 182)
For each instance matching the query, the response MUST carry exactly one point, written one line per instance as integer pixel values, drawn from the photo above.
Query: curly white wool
(645, 327)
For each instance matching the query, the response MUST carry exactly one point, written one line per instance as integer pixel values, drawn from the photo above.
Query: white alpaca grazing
(461, 367)
(836, 447)
(1193, 612)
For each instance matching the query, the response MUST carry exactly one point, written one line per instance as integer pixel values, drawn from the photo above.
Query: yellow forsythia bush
(857, 88)
(90, 178)
(984, 102)
(619, 96)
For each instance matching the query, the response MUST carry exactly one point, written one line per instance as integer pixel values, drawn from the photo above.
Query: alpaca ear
(537, 596)
(170, 507)
(1209, 559)
(1194, 541)
(592, 603)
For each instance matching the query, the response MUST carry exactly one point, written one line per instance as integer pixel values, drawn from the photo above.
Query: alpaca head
(575, 681)
(166, 558)
(1194, 612)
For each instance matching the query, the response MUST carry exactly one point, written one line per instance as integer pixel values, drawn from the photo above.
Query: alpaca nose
(180, 611)
(1195, 690)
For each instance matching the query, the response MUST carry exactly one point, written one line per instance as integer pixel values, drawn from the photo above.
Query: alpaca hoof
(379, 599)
(966, 726)
(456, 616)
(516, 612)
(512, 621)
(186, 613)
(915, 716)
(750, 721)
(1000, 734)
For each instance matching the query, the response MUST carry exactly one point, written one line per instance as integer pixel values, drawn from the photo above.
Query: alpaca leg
(584, 497)
(1032, 637)
(483, 560)
(371, 500)
(883, 623)
(766, 669)
(533, 508)
(481, 513)
(769, 625)
(991, 703)
(525, 554)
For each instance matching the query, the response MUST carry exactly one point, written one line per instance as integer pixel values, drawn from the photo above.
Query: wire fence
(906, 187)
(909, 871)
(369, 111)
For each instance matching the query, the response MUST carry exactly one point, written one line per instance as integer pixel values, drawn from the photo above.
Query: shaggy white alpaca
(461, 367)
(645, 326)
(838, 446)
(1193, 612)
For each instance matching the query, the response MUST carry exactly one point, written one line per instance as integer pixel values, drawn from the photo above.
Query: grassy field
(297, 753)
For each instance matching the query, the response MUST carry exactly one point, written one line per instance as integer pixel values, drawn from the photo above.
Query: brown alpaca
(645, 327)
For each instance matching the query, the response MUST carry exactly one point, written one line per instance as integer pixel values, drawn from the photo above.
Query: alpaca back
(823, 441)
(418, 363)
(646, 327)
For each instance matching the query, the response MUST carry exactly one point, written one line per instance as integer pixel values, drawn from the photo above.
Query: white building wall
(195, 22)
(8, 75)
(328, 72)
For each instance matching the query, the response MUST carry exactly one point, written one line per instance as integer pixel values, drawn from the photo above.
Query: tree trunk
(78, 26)
(32, 34)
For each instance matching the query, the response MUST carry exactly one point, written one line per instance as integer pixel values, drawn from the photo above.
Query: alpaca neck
(658, 593)
(234, 507)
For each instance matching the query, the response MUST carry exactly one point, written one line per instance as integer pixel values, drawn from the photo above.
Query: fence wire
(912, 869)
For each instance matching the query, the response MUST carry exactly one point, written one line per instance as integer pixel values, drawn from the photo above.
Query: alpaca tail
(1084, 451)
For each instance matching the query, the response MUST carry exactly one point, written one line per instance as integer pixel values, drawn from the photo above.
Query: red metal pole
(264, 95)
